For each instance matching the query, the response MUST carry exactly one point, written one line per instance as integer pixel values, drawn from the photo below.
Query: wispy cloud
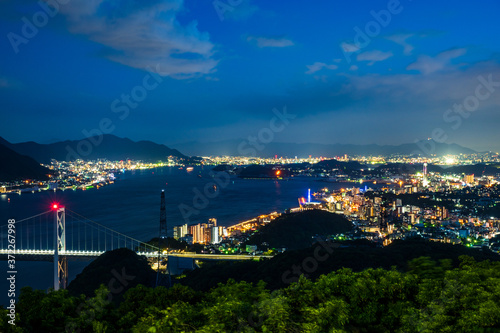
(349, 48)
(144, 34)
(426, 64)
(374, 56)
(6, 82)
(389, 96)
(270, 41)
(241, 11)
(317, 66)
(401, 40)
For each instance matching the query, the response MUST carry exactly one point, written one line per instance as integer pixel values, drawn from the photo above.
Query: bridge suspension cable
(36, 233)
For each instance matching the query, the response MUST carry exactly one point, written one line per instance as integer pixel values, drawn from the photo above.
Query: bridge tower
(162, 237)
(163, 217)
(60, 261)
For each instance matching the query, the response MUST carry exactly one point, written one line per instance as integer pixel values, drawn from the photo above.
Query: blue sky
(385, 72)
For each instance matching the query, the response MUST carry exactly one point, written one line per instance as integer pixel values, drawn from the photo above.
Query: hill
(297, 230)
(476, 169)
(123, 266)
(15, 166)
(281, 270)
(106, 147)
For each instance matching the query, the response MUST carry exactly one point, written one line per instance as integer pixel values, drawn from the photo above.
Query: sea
(132, 206)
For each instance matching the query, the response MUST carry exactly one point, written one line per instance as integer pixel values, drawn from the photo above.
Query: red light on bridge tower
(55, 206)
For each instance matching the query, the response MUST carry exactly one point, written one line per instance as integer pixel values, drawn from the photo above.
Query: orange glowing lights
(278, 172)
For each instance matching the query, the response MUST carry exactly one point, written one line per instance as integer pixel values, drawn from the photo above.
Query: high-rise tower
(425, 181)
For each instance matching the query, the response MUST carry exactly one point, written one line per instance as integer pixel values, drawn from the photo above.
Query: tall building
(215, 235)
(469, 179)
(197, 233)
(204, 233)
(180, 231)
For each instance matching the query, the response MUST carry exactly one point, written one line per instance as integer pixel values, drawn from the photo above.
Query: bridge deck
(48, 255)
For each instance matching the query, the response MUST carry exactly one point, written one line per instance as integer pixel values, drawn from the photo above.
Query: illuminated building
(180, 231)
(197, 233)
(469, 179)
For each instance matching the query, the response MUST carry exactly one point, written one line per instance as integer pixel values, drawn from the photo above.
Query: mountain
(106, 146)
(303, 150)
(300, 229)
(356, 255)
(14, 166)
(476, 169)
(106, 268)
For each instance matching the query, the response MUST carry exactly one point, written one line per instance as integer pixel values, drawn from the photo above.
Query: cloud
(426, 64)
(353, 68)
(401, 40)
(374, 56)
(240, 11)
(317, 66)
(270, 42)
(349, 48)
(143, 34)
(395, 94)
(4, 83)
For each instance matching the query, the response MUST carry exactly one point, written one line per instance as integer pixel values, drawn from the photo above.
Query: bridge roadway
(48, 255)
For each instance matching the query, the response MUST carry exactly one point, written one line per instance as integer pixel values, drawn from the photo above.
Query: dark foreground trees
(429, 297)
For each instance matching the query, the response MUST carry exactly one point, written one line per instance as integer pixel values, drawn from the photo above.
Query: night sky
(384, 72)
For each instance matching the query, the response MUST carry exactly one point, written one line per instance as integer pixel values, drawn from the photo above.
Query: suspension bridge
(60, 235)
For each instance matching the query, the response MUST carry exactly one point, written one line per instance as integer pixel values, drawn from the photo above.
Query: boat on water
(189, 169)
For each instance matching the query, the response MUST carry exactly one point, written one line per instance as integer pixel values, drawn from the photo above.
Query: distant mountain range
(244, 148)
(476, 169)
(15, 166)
(106, 146)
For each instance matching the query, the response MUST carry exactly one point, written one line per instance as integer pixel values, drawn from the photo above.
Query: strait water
(132, 206)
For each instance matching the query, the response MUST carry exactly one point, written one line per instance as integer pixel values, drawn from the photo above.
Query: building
(204, 233)
(469, 179)
(180, 231)
(197, 232)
